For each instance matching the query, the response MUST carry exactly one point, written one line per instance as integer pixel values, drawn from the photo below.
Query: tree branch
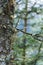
(37, 37)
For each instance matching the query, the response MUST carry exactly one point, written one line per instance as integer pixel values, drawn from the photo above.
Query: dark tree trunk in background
(6, 25)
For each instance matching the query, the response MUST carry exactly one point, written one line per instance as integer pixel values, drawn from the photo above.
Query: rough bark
(6, 25)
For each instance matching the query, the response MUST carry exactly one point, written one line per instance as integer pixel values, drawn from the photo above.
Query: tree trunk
(6, 25)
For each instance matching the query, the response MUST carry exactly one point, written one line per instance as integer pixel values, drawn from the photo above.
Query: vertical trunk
(6, 26)
(25, 25)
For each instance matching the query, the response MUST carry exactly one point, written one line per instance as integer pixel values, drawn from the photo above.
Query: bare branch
(34, 36)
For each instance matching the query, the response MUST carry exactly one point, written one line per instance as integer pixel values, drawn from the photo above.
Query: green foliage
(28, 48)
(28, 32)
